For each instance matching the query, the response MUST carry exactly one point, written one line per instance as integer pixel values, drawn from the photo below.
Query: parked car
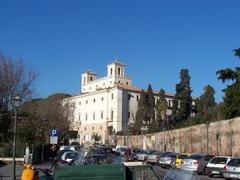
(70, 158)
(153, 158)
(191, 163)
(149, 153)
(167, 160)
(203, 163)
(180, 158)
(115, 149)
(232, 169)
(140, 155)
(216, 165)
(122, 151)
(94, 159)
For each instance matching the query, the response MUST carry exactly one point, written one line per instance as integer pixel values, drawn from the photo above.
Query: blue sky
(154, 39)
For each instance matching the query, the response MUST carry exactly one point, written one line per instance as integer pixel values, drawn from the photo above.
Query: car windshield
(172, 155)
(219, 160)
(182, 156)
(71, 156)
(195, 156)
(151, 152)
(234, 162)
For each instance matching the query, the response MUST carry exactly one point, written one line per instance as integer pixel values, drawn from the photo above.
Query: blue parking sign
(54, 133)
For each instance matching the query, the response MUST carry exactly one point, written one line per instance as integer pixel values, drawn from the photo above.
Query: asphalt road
(161, 172)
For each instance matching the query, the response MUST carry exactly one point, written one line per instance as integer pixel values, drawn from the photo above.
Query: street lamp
(164, 143)
(207, 123)
(17, 101)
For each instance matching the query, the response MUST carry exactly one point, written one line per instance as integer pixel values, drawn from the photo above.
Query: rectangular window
(93, 115)
(128, 114)
(86, 116)
(94, 100)
(86, 101)
(79, 117)
(111, 114)
(102, 98)
(169, 103)
(79, 103)
(129, 97)
(112, 95)
(137, 97)
(101, 114)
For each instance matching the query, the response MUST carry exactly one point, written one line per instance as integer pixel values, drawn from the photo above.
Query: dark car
(95, 159)
(203, 163)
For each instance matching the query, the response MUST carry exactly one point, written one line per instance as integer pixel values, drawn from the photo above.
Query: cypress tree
(182, 104)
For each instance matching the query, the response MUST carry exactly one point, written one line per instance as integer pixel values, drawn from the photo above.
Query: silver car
(153, 157)
(232, 169)
(168, 160)
(140, 156)
(192, 162)
(216, 165)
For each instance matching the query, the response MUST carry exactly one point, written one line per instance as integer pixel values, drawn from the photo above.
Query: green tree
(150, 110)
(182, 103)
(41, 115)
(161, 110)
(96, 137)
(5, 124)
(205, 105)
(231, 100)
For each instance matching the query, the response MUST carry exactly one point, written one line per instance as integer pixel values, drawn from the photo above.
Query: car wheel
(210, 175)
(204, 172)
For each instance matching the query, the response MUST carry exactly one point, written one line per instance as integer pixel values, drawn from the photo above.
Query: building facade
(106, 104)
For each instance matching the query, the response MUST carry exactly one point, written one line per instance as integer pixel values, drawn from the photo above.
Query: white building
(107, 103)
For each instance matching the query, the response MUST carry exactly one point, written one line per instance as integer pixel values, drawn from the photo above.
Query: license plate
(215, 172)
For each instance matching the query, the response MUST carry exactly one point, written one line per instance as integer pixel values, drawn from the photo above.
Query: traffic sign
(53, 139)
(54, 132)
(54, 136)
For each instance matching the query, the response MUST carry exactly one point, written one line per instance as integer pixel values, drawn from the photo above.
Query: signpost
(54, 136)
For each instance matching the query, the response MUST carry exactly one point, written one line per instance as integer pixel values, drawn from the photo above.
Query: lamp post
(164, 143)
(17, 101)
(207, 125)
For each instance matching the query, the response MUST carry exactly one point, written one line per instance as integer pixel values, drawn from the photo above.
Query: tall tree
(231, 100)
(182, 103)
(205, 105)
(150, 110)
(41, 115)
(15, 79)
(161, 110)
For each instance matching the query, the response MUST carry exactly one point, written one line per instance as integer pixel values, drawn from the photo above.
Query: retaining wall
(220, 138)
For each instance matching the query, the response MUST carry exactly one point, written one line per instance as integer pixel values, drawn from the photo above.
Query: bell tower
(116, 69)
(87, 77)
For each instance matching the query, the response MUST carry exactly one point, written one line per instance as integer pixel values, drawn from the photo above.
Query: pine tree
(205, 105)
(161, 109)
(231, 100)
(182, 103)
(150, 110)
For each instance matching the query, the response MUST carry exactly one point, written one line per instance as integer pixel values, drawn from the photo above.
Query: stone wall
(223, 139)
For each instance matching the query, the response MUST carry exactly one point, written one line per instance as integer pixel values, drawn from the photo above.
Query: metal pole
(14, 145)
(207, 139)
